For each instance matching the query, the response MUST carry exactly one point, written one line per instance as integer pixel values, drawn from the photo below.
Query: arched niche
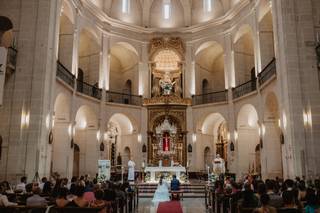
(213, 133)
(124, 60)
(248, 139)
(266, 39)
(272, 134)
(89, 55)
(66, 35)
(244, 61)
(62, 108)
(210, 66)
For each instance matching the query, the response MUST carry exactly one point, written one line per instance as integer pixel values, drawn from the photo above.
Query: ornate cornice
(167, 100)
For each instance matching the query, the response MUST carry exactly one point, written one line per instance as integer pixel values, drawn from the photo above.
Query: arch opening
(244, 61)
(210, 66)
(124, 61)
(248, 140)
(89, 56)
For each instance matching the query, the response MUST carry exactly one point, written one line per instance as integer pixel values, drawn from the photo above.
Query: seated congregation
(62, 195)
(265, 196)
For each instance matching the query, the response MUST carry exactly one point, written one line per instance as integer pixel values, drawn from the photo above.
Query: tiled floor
(189, 205)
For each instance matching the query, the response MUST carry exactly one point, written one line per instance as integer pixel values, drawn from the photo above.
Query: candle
(121, 174)
(187, 163)
(143, 164)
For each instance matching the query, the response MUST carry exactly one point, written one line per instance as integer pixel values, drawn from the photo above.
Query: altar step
(190, 190)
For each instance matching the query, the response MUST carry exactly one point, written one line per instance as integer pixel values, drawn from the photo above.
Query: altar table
(172, 169)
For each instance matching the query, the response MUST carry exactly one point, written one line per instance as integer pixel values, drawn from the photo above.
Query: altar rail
(269, 71)
(122, 98)
(212, 97)
(244, 88)
(64, 74)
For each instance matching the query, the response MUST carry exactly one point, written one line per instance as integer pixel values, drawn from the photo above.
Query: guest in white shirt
(22, 185)
(4, 199)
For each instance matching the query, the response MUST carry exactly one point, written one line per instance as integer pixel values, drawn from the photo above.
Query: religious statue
(166, 84)
(131, 165)
(218, 165)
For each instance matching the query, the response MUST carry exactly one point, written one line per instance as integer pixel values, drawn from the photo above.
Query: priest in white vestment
(131, 165)
(218, 165)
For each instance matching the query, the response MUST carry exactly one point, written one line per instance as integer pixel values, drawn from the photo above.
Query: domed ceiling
(164, 13)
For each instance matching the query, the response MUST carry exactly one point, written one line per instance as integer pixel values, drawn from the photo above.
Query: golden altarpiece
(167, 106)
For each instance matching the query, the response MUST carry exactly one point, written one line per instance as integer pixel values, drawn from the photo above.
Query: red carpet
(169, 207)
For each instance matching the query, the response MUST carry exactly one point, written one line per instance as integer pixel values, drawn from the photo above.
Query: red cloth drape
(166, 142)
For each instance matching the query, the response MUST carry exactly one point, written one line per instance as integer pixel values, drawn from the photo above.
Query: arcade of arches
(92, 80)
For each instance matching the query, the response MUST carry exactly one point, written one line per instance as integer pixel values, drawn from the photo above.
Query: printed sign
(104, 168)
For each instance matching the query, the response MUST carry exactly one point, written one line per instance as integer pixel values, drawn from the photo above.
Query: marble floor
(189, 205)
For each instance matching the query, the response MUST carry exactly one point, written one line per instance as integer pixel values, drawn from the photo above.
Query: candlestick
(208, 168)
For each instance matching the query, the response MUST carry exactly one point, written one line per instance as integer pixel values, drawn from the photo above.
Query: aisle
(169, 207)
(189, 205)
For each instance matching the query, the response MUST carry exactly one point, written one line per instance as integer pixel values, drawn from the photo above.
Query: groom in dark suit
(175, 187)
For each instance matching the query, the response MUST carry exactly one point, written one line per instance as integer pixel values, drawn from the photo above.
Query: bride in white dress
(162, 193)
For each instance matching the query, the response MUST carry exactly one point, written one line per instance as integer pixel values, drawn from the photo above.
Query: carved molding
(160, 43)
(167, 100)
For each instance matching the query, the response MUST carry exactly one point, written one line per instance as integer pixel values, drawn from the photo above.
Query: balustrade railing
(269, 71)
(64, 74)
(212, 97)
(244, 89)
(123, 98)
(89, 90)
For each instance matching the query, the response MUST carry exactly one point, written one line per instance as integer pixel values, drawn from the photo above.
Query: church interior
(144, 90)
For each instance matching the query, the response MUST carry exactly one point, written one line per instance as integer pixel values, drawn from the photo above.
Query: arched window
(205, 86)
(166, 9)
(125, 6)
(207, 5)
(128, 87)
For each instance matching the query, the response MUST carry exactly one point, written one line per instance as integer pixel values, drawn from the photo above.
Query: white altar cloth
(172, 169)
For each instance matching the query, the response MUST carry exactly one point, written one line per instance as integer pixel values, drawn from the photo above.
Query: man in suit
(175, 186)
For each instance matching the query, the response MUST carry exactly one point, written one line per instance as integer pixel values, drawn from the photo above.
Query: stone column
(231, 119)
(75, 51)
(144, 74)
(28, 94)
(296, 73)
(189, 82)
(256, 41)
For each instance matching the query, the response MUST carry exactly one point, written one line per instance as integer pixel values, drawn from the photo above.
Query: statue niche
(166, 55)
(166, 141)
